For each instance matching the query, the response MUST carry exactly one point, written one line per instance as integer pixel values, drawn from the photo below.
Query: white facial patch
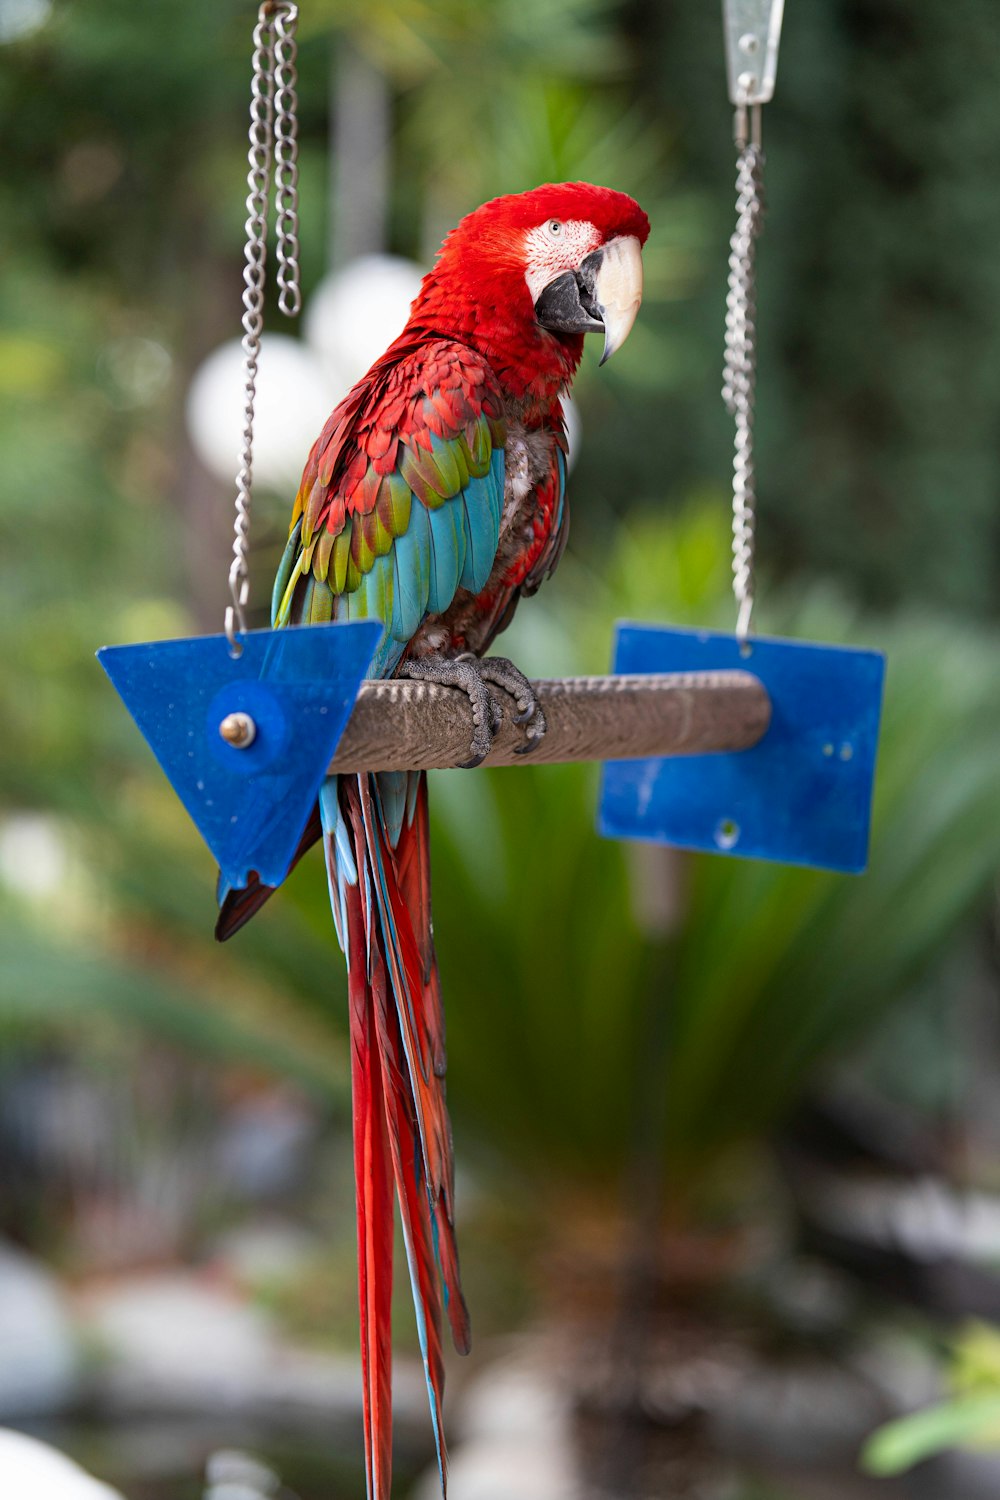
(556, 246)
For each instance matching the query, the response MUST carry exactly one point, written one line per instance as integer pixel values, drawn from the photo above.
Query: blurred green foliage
(969, 1418)
(121, 211)
(770, 970)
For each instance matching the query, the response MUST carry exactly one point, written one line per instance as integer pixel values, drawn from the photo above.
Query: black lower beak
(568, 304)
(603, 293)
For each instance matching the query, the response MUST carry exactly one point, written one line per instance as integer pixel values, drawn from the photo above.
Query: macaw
(433, 499)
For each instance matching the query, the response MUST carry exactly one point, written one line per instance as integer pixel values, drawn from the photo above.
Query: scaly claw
(531, 742)
(534, 734)
(502, 673)
(496, 714)
(472, 675)
(463, 673)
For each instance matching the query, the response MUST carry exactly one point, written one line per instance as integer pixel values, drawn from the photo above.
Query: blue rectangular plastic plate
(801, 796)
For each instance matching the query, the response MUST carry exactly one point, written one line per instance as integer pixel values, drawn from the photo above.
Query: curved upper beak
(604, 292)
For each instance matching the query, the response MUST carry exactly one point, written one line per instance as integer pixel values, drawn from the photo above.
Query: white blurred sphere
(355, 313)
(31, 1470)
(295, 394)
(20, 18)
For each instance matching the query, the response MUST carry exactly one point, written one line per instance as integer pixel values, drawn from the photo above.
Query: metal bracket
(753, 31)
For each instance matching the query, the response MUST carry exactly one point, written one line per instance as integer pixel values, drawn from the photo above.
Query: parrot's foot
(503, 674)
(464, 673)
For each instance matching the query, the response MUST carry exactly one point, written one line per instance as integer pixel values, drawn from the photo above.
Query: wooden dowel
(401, 726)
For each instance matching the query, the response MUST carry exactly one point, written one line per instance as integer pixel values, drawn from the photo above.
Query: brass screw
(238, 730)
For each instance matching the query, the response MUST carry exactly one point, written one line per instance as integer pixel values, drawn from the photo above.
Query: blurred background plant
(970, 1418)
(737, 1072)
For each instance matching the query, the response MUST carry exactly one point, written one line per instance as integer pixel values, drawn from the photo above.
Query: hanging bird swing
(802, 794)
(433, 499)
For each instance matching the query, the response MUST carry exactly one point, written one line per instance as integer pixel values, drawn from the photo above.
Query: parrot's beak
(603, 293)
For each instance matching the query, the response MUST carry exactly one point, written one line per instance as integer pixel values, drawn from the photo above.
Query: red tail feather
(418, 1231)
(396, 1015)
(412, 898)
(373, 1187)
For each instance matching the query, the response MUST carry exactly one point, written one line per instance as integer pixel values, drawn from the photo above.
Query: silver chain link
(286, 157)
(273, 140)
(740, 372)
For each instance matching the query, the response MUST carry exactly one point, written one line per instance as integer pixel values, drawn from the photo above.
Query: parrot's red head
(523, 278)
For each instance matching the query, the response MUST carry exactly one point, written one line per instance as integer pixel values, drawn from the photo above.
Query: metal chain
(286, 150)
(740, 372)
(273, 140)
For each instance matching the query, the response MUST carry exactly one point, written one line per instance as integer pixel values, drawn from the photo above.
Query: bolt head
(238, 730)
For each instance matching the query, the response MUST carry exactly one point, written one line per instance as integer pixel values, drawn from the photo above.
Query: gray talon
(503, 674)
(473, 676)
(463, 673)
(535, 732)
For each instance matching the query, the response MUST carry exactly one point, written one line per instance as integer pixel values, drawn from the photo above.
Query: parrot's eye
(555, 228)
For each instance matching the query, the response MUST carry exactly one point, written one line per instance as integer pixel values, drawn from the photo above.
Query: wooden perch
(401, 726)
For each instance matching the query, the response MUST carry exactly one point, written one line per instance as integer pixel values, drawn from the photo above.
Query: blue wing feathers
(444, 547)
(448, 542)
(561, 462)
(411, 553)
(498, 469)
(482, 530)
(410, 594)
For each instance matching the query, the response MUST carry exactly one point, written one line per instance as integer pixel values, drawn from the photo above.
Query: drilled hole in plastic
(727, 833)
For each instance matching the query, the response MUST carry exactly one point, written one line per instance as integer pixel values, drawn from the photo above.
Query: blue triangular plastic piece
(298, 685)
(801, 796)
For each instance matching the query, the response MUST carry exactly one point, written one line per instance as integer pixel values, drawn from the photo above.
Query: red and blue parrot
(433, 499)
